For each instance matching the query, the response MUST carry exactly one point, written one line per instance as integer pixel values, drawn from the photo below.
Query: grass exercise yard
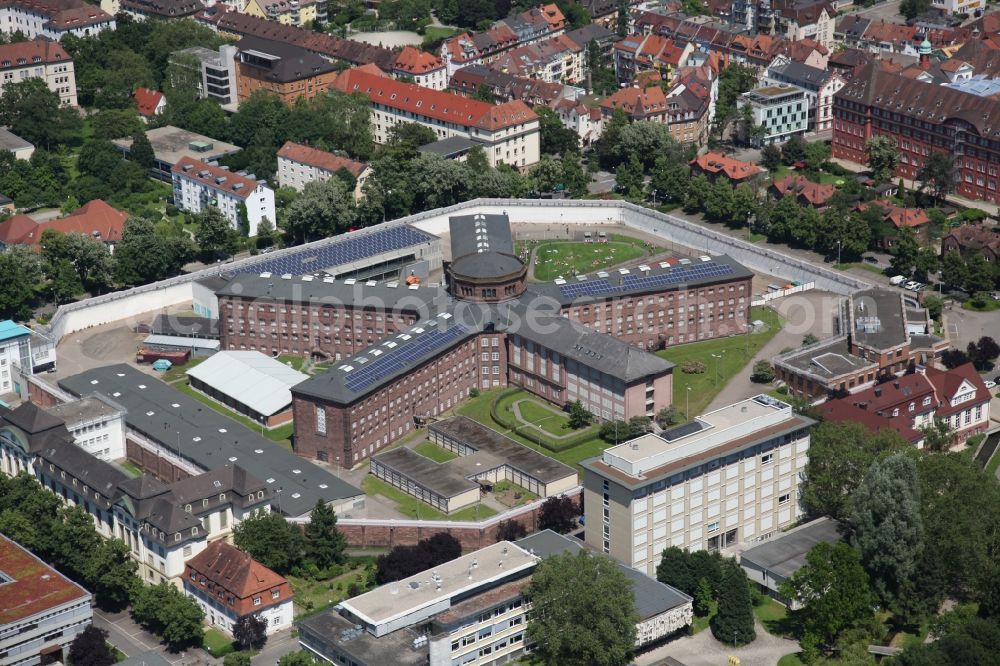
(566, 258)
(542, 417)
(735, 353)
(411, 507)
(434, 452)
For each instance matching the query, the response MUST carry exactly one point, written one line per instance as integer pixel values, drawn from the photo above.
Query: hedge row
(533, 434)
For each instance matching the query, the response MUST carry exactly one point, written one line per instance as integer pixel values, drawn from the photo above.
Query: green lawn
(907, 640)
(863, 265)
(412, 507)
(542, 417)
(700, 623)
(296, 362)
(989, 305)
(991, 466)
(314, 595)
(280, 435)
(735, 353)
(566, 258)
(824, 178)
(180, 371)
(478, 409)
(218, 644)
(772, 615)
(790, 660)
(130, 468)
(432, 33)
(434, 452)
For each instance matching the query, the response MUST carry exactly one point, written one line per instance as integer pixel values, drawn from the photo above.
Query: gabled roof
(296, 152)
(637, 102)
(215, 177)
(14, 230)
(948, 382)
(415, 61)
(733, 169)
(32, 419)
(95, 218)
(22, 54)
(815, 193)
(234, 571)
(147, 101)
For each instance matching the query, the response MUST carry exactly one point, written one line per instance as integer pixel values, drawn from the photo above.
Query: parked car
(871, 260)
(911, 285)
(897, 280)
(990, 384)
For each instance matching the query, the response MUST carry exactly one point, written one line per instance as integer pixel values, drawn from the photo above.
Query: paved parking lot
(704, 650)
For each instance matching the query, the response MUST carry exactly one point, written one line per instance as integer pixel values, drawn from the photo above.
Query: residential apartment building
(41, 611)
(53, 18)
(553, 60)
(484, 47)
(15, 350)
(819, 85)
(299, 164)
(508, 132)
(216, 72)
(162, 524)
(288, 12)
(920, 117)
(198, 185)
(970, 239)
(587, 122)
(43, 59)
(800, 19)
(471, 610)
(423, 68)
(142, 10)
(649, 52)
(718, 165)
(731, 476)
(229, 585)
(909, 403)
(287, 71)
(685, 112)
(782, 110)
(506, 87)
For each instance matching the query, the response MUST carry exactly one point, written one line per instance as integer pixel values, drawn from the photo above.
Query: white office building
(782, 110)
(727, 477)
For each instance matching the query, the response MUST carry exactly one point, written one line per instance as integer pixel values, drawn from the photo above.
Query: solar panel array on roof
(391, 363)
(349, 249)
(632, 282)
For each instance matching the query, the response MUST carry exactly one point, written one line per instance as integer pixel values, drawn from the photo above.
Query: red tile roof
(211, 175)
(147, 100)
(297, 152)
(95, 218)
(637, 102)
(45, 50)
(439, 105)
(234, 571)
(947, 382)
(814, 193)
(15, 229)
(734, 169)
(415, 61)
(898, 215)
(36, 587)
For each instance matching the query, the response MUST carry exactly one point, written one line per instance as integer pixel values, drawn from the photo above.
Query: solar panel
(633, 282)
(391, 363)
(341, 251)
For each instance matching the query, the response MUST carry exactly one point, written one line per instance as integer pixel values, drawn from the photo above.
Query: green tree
(583, 611)
(325, 544)
(649, 142)
(35, 113)
(266, 236)
(718, 206)
(236, 659)
(667, 416)
(733, 621)
(558, 514)
(883, 156)
(953, 270)
(980, 275)
(911, 9)
(840, 455)
(573, 176)
(116, 123)
(546, 174)
(669, 180)
(937, 174)
(110, 574)
(164, 610)
(972, 642)
(606, 147)
(579, 416)
(214, 235)
(905, 252)
(322, 210)
(629, 177)
(300, 658)
(834, 590)
(843, 233)
(926, 264)
(141, 151)
(250, 632)
(817, 154)
(556, 139)
(272, 541)
(770, 156)
(793, 150)
(762, 373)
(413, 135)
(64, 284)
(703, 598)
(622, 23)
(888, 529)
(938, 436)
(484, 94)
(99, 158)
(72, 539)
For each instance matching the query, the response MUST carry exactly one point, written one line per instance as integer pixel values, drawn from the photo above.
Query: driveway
(704, 650)
(278, 645)
(133, 640)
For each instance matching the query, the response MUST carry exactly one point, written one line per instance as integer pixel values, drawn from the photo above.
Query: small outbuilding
(250, 383)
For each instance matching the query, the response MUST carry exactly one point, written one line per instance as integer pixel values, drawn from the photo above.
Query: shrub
(693, 368)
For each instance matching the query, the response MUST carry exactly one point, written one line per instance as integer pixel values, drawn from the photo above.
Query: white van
(897, 280)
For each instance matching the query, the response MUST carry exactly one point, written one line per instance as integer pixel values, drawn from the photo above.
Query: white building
(54, 18)
(820, 86)
(216, 72)
(509, 132)
(42, 59)
(96, 425)
(41, 611)
(425, 69)
(229, 584)
(782, 110)
(15, 349)
(198, 185)
(952, 7)
(730, 476)
(587, 122)
(299, 165)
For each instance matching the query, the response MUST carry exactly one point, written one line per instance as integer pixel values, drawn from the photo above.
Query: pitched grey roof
(652, 597)
(31, 418)
(103, 477)
(494, 237)
(293, 64)
(208, 438)
(802, 75)
(453, 145)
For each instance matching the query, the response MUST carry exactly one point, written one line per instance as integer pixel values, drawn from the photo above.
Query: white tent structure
(247, 381)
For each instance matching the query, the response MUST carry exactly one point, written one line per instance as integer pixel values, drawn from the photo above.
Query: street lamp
(717, 357)
(278, 493)
(687, 404)
(839, 243)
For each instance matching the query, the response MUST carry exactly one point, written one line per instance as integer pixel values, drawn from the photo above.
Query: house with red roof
(717, 165)
(804, 190)
(900, 217)
(41, 611)
(229, 584)
(423, 68)
(299, 165)
(95, 218)
(484, 47)
(508, 132)
(149, 103)
(239, 196)
(639, 53)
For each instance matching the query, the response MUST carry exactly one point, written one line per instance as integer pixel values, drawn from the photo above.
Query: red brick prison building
(921, 117)
(407, 353)
(659, 304)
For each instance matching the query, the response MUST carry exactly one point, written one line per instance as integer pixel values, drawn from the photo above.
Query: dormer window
(222, 497)
(187, 508)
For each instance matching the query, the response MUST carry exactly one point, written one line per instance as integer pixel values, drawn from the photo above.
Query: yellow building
(288, 12)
